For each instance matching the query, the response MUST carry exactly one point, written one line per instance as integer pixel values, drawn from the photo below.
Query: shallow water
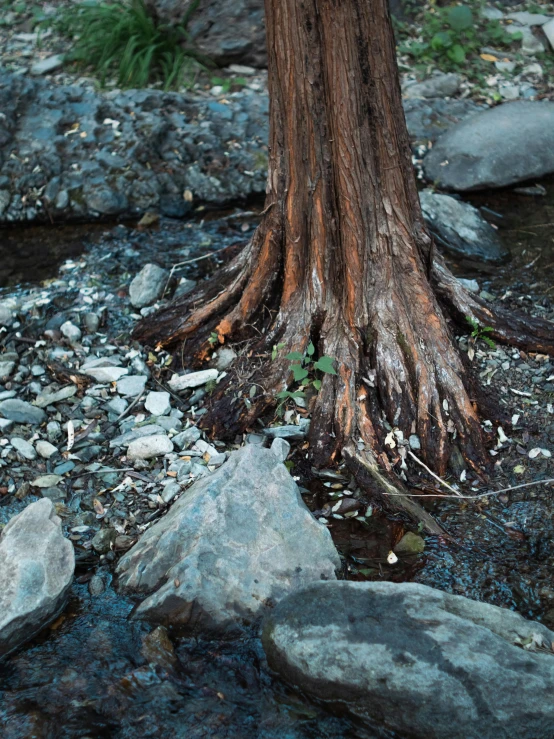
(88, 676)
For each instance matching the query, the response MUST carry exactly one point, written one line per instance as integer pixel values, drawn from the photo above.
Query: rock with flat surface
(460, 229)
(158, 403)
(420, 662)
(148, 285)
(23, 448)
(21, 412)
(147, 447)
(498, 147)
(236, 542)
(36, 571)
(47, 65)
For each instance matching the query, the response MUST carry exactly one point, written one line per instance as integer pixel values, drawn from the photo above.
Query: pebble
(71, 331)
(170, 491)
(103, 540)
(158, 403)
(187, 437)
(288, 432)
(106, 374)
(414, 442)
(6, 316)
(23, 447)
(6, 368)
(54, 430)
(46, 481)
(131, 386)
(22, 412)
(96, 585)
(225, 357)
(148, 285)
(45, 449)
(92, 322)
(280, 448)
(149, 446)
(193, 379)
(50, 64)
(45, 399)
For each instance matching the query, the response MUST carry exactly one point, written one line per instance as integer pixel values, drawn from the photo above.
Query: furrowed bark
(342, 258)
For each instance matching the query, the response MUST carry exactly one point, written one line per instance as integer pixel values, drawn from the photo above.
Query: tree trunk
(341, 257)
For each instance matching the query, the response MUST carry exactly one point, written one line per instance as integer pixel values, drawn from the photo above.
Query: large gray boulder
(498, 147)
(415, 660)
(460, 229)
(233, 544)
(36, 571)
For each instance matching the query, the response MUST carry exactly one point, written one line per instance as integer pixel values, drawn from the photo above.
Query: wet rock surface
(498, 147)
(232, 546)
(71, 152)
(36, 571)
(460, 229)
(417, 661)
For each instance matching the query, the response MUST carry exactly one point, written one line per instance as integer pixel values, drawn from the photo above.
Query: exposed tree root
(402, 370)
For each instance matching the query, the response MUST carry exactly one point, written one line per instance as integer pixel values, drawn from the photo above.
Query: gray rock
(54, 430)
(429, 118)
(524, 18)
(460, 229)
(96, 585)
(136, 433)
(46, 449)
(192, 379)
(36, 571)
(6, 368)
(147, 447)
(106, 374)
(229, 547)
(288, 432)
(498, 147)
(45, 399)
(170, 491)
(23, 447)
(45, 66)
(71, 331)
(92, 322)
(184, 287)
(6, 316)
(280, 448)
(439, 86)
(420, 662)
(106, 202)
(132, 385)
(158, 403)
(225, 358)
(148, 285)
(492, 14)
(103, 540)
(22, 412)
(471, 285)
(187, 437)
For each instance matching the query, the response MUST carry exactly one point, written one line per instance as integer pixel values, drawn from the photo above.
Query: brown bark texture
(342, 258)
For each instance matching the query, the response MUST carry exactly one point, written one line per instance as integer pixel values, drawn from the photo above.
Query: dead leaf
(488, 57)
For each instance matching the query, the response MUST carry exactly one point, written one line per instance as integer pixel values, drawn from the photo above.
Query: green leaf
(296, 356)
(310, 350)
(298, 372)
(441, 40)
(456, 54)
(325, 364)
(459, 18)
(317, 384)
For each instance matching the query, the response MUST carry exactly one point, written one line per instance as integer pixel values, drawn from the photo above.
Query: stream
(96, 674)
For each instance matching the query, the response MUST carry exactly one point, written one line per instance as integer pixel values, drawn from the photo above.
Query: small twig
(130, 407)
(178, 265)
(480, 495)
(442, 482)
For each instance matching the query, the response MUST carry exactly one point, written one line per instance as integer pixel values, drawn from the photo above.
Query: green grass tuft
(120, 40)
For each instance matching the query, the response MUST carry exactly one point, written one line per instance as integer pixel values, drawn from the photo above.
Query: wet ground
(95, 674)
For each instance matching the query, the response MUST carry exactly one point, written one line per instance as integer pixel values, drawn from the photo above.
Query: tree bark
(341, 257)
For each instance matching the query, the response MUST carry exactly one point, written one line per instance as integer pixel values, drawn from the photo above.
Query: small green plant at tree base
(214, 339)
(481, 332)
(306, 370)
(122, 40)
(226, 83)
